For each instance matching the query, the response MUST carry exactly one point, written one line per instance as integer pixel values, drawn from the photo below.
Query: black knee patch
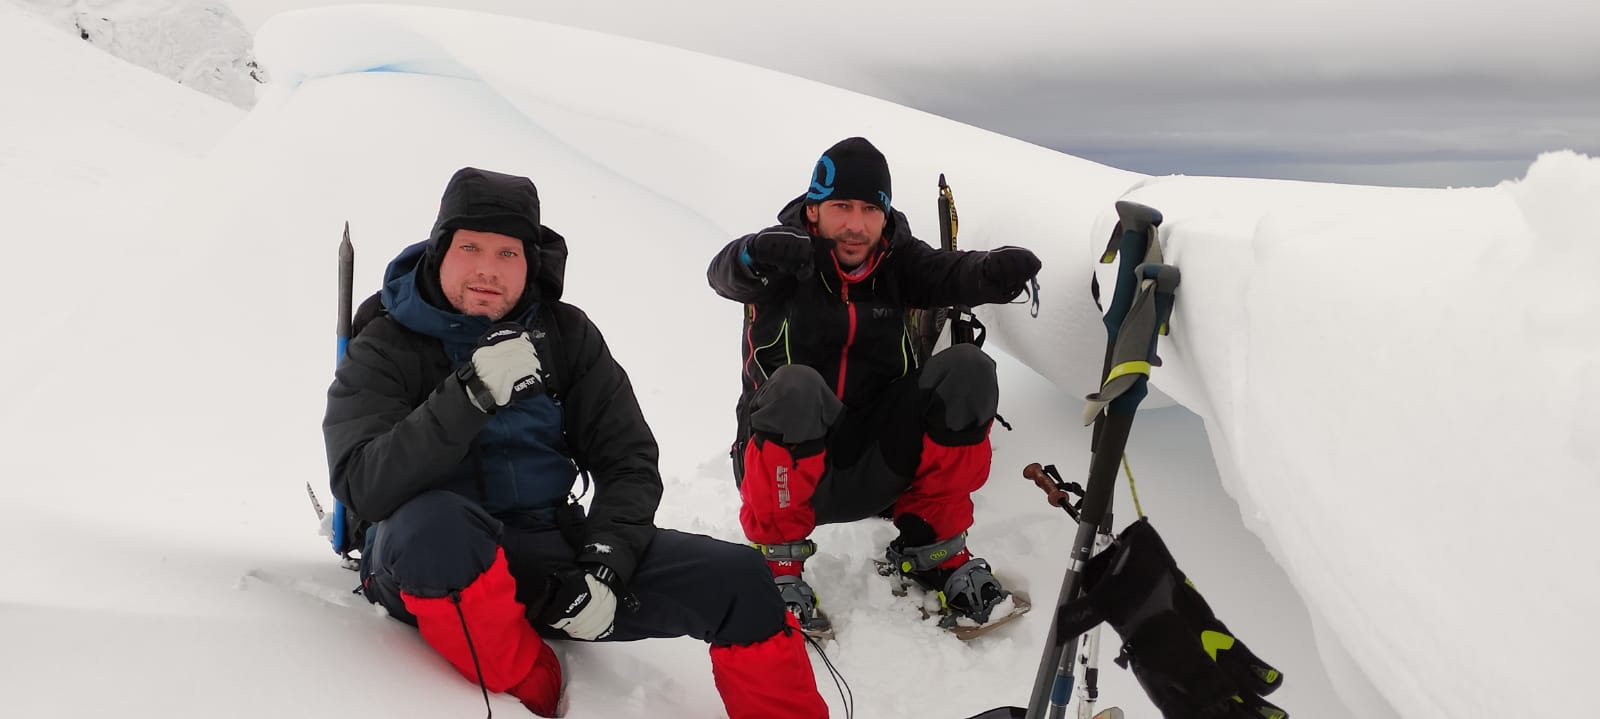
(963, 394)
(941, 434)
(437, 543)
(795, 405)
(797, 451)
(748, 578)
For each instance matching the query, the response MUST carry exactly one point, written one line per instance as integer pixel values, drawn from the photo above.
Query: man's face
(483, 273)
(854, 226)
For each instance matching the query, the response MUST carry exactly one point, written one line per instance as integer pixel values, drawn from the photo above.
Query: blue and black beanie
(851, 170)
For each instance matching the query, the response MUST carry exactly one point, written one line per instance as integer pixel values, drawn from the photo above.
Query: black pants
(686, 584)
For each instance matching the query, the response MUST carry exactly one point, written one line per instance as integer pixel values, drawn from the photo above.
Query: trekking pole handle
(1057, 493)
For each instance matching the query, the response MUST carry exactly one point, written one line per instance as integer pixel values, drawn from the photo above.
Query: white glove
(504, 368)
(590, 612)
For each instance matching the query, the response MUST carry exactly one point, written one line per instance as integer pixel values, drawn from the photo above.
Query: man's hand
(503, 369)
(581, 605)
(781, 250)
(1010, 266)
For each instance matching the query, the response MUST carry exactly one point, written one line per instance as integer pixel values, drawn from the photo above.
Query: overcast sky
(1425, 92)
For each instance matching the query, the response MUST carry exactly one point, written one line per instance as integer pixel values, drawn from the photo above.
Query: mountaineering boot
(965, 584)
(971, 591)
(786, 561)
(802, 603)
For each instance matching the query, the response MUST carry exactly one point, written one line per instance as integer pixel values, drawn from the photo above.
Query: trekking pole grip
(1056, 492)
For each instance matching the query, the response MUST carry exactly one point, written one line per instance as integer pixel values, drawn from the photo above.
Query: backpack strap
(547, 338)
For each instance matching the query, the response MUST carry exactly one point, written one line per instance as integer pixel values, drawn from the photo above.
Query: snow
(1377, 476)
(201, 44)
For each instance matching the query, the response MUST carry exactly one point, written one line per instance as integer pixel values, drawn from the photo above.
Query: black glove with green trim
(1187, 660)
(778, 250)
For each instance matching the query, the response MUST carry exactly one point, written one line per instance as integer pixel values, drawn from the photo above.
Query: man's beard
(495, 308)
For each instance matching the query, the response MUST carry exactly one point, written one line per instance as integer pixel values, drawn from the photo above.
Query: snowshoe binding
(972, 602)
(801, 599)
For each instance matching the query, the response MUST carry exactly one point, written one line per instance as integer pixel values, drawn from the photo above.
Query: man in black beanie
(837, 422)
(456, 429)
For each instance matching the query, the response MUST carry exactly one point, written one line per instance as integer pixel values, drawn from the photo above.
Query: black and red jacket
(855, 331)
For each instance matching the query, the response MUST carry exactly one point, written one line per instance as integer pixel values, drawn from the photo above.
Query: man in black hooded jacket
(836, 421)
(458, 423)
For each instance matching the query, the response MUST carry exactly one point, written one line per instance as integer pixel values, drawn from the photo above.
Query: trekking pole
(1089, 690)
(1067, 496)
(1138, 310)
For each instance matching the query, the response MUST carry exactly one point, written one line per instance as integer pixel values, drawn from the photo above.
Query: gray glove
(503, 369)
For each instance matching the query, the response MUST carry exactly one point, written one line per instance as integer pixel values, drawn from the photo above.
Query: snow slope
(190, 506)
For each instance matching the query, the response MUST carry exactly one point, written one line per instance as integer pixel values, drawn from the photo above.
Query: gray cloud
(1405, 127)
(1425, 92)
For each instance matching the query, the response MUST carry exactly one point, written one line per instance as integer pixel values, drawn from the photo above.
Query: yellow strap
(955, 224)
(1132, 488)
(1127, 368)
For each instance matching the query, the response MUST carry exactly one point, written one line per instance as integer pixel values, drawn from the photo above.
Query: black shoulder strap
(371, 308)
(548, 336)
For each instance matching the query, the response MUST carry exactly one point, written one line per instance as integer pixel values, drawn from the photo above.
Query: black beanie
(486, 201)
(851, 170)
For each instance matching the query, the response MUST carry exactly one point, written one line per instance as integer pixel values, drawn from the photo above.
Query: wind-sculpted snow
(1358, 354)
(1369, 354)
(702, 132)
(1398, 386)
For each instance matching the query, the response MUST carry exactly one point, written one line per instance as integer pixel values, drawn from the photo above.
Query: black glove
(581, 604)
(503, 369)
(1184, 658)
(781, 250)
(1010, 267)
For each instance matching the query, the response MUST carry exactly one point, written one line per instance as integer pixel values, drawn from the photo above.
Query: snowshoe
(971, 601)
